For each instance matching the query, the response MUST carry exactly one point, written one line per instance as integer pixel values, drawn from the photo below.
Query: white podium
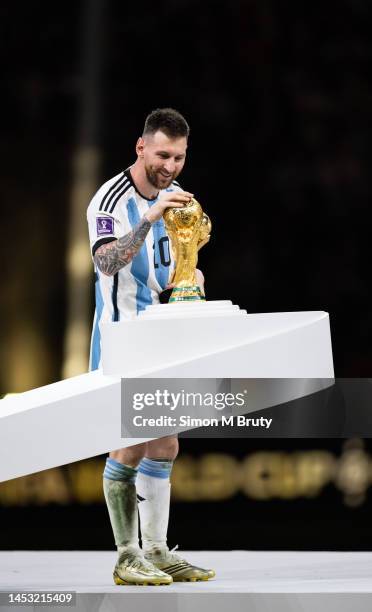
(80, 417)
(218, 339)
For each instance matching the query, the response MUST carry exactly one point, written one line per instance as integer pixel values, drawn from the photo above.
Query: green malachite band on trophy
(187, 299)
(186, 294)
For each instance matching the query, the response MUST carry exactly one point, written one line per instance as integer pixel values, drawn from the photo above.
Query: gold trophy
(189, 229)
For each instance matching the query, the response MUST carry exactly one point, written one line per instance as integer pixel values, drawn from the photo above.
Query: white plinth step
(191, 309)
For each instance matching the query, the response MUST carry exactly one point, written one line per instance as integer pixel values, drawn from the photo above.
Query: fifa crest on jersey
(105, 225)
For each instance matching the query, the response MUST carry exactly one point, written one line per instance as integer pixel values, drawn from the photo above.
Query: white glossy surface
(80, 417)
(60, 423)
(269, 581)
(238, 571)
(216, 339)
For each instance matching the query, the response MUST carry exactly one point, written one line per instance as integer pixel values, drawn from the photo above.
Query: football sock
(153, 489)
(119, 486)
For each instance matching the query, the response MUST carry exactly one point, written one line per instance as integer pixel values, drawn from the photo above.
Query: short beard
(152, 178)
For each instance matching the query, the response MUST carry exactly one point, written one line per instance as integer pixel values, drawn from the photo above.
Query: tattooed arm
(110, 258)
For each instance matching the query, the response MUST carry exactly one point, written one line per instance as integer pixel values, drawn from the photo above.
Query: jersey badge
(105, 225)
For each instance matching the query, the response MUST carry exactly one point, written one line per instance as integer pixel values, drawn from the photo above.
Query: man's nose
(169, 165)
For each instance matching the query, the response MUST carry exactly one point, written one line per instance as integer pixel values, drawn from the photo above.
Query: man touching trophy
(129, 220)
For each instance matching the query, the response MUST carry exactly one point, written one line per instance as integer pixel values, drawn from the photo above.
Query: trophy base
(187, 294)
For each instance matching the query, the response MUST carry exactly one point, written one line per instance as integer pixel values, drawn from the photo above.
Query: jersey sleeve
(175, 186)
(103, 226)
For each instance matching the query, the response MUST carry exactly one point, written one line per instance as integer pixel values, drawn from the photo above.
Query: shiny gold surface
(189, 229)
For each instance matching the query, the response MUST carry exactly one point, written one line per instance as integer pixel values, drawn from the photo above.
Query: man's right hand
(169, 199)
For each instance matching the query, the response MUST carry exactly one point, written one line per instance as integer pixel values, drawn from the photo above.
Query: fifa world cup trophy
(189, 229)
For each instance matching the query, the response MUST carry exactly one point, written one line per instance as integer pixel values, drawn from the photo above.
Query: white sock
(153, 495)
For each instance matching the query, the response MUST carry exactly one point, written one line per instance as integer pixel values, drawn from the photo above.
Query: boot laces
(173, 556)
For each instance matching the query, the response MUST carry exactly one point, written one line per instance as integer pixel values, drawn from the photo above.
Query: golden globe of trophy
(189, 229)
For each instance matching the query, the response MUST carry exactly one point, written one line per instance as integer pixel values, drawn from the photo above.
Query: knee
(131, 455)
(163, 448)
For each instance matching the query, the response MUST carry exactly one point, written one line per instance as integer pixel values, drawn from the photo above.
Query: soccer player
(133, 263)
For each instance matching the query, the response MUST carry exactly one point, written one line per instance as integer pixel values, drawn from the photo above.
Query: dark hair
(167, 120)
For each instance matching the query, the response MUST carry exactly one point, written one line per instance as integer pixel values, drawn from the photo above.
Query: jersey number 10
(163, 251)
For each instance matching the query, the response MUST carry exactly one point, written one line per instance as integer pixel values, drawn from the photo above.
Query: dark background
(279, 99)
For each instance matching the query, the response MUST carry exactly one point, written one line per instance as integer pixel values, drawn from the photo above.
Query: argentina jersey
(113, 212)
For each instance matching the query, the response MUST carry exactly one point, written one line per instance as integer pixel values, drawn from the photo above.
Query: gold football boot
(178, 568)
(133, 568)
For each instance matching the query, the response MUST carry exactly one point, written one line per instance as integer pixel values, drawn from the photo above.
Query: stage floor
(275, 581)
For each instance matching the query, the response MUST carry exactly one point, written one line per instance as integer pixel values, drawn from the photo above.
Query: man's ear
(140, 146)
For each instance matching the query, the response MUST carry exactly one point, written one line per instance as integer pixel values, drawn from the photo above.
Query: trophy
(189, 229)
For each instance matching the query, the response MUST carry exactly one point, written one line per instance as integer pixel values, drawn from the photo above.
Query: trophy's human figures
(133, 265)
(189, 229)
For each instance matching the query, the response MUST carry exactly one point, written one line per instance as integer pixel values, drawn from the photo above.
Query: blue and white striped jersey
(113, 211)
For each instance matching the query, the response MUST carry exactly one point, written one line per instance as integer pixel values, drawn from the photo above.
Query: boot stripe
(174, 568)
(178, 564)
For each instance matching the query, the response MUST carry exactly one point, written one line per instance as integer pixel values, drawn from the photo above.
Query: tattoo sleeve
(110, 258)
